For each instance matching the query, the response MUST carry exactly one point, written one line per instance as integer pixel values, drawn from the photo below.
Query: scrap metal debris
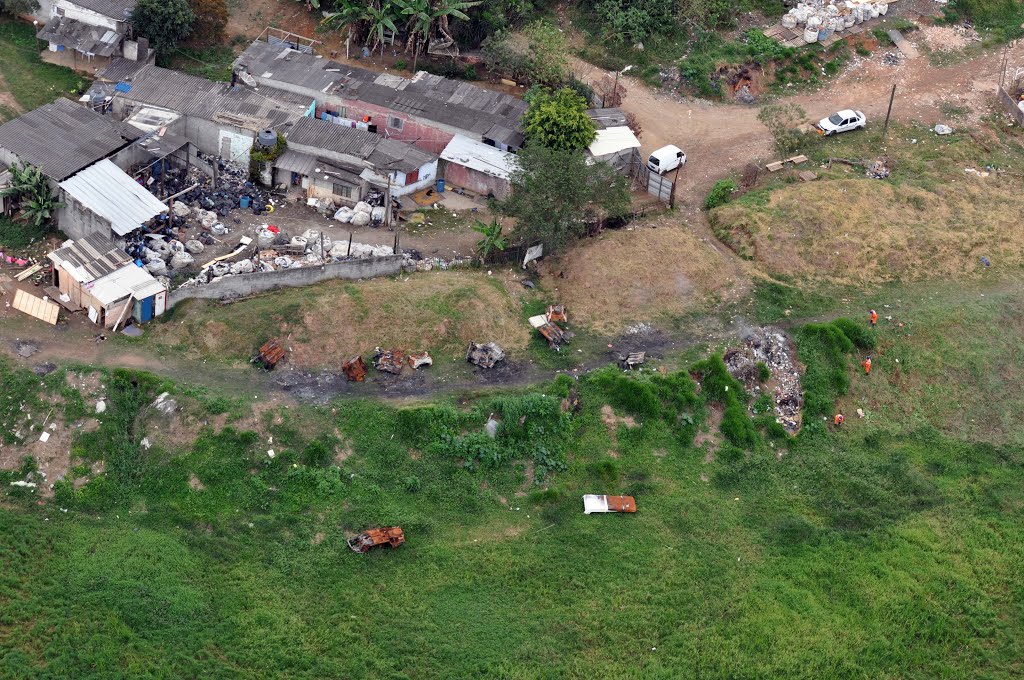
(878, 170)
(372, 538)
(389, 361)
(269, 355)
(557, 313)
(486, 355)
(771, 347)
(594, 503)
(420, 359)
(354, 369)
(632, 360)
(555, 335)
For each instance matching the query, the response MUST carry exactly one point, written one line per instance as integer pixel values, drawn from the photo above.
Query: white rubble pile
(821, 19)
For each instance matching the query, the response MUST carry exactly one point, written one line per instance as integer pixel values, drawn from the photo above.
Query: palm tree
(418, 26)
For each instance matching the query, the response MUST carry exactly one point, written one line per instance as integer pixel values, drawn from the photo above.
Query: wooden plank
(774, 167)
(55, 294)
(28, 272)
(904, 46)
(44, 310)
(807, 176)
(797, 159)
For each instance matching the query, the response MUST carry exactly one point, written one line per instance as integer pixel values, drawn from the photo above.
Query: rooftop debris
(371, 538)
(632, 360)
(555, 336)
(354, 369)
(771, 347)
(390, 361)
(269, 355)
(485, 356)
(594, 503)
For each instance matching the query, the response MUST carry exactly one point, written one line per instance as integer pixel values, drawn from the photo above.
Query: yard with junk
(300, 393)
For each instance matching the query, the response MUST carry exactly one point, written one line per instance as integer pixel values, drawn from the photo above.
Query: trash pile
(771, 347)
(821, 19)
(485, 356)
(877, 170)
(393, 361)
(162, 254)
(233, 189)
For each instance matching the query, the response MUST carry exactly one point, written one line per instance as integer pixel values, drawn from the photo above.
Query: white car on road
(842, 121)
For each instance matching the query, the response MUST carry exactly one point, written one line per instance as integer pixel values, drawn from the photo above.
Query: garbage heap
(822, 19)
(232, 187)
(771, 347)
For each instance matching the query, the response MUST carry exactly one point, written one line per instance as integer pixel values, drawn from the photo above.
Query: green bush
(824, 349)
(763, 372)
(720, 194)
(859, 334)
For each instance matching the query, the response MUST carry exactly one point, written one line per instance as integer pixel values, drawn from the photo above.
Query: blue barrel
(243, 202)
(440, 185)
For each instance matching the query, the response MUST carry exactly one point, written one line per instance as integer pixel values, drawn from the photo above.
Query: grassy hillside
(26, 82)
(888, 549)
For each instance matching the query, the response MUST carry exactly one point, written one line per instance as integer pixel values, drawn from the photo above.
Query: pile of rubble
(877, 170)
(162, 253)
(771, 347)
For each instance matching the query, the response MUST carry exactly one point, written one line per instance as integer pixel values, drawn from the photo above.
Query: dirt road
(721, 138)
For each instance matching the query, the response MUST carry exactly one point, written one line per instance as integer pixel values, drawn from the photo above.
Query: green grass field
(891, 549)
(30, 82)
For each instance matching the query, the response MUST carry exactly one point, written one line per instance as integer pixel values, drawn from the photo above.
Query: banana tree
(32, 189)
(492, 241)
(418, 26)
(381, 19)
(443, 10)
(348, 14)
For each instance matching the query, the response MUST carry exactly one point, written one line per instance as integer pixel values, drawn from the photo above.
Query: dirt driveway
(721, 138)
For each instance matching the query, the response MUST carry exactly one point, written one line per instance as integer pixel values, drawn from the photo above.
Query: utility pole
(885, 129)
(672, 194)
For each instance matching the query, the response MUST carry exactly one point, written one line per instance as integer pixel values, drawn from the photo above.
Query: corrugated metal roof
(430, 97)
(296, 161)
(128, 280)
(106, 190)
(89, 258)
(606, 118)
(82, 37)
(613, 140)
(63, 137)
(479, 156)
(378, 152)
(115, 9)
(209, 100)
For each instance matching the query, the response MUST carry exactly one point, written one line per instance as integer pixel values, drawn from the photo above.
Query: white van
(666, 158)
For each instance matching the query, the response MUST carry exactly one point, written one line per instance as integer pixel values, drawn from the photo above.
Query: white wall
(86, 16)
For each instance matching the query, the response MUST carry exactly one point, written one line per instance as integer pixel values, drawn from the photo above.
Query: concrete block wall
(244, 285)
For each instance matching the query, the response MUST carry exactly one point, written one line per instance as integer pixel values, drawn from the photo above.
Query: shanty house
(94, 274)
(477, 167)
(220, 120)
(104, 200)
(87, 34)
(616, 146)
(341, 162)
(426, 110)
(61, 138)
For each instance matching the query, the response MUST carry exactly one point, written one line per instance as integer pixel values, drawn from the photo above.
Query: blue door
(147, 310)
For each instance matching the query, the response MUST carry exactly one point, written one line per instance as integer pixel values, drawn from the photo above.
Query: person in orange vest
(838, 420)
(874, 318)
(867, 365)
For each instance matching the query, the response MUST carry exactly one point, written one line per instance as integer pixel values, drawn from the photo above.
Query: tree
(784, 122)
(211, 21)
(540, 55)
(492, 241)
(559, 120)
(18, 7)
(31, 187)
(556, 193)
(425, 16)
(164, 22)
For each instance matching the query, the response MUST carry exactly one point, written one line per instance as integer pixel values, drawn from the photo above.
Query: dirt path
(719, 139)
(9, 106)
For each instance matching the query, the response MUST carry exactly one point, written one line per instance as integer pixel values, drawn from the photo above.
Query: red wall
(477, 182)
(413, 132)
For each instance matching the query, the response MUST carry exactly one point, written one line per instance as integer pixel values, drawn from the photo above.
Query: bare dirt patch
(612, 421)
(712, 437)
(318, 538)
(660, 268)
(194, 482)
(945, 38)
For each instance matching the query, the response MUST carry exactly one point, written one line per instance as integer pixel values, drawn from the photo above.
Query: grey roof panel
(426, 96)
(64, 137)
(95, 254)
(96, 40)
(379, 152)
(115, 9)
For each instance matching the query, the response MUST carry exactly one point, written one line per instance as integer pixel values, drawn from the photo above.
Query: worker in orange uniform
(838, 420)
(867, 365)
(874, 318)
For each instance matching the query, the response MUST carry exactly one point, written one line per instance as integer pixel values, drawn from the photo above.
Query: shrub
(720, 194)
(824, 349)
(400, 65)
(858, 334)
(763, 372)
(318, 453)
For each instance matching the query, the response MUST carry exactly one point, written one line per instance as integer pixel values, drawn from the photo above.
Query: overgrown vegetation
(30, 81)
(720, 194)
(240, 562)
